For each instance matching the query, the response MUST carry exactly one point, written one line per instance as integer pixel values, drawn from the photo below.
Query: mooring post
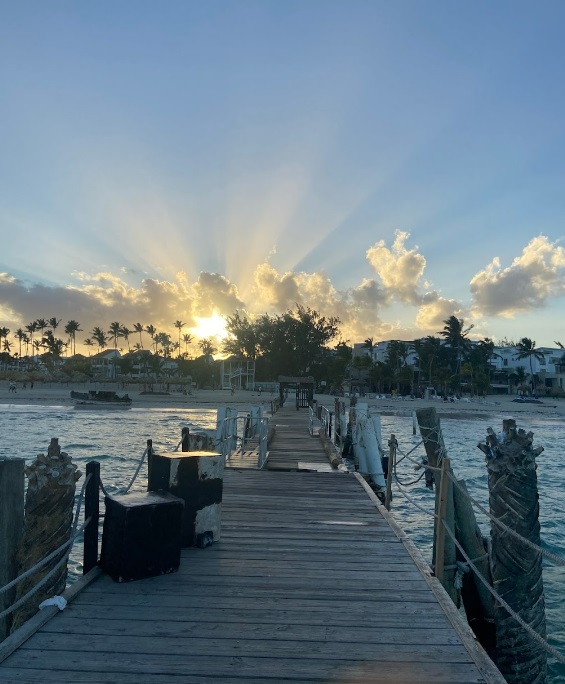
(439, 560)
(431, 434)
(48, 521)
(516, 565)
(477, 599)
(149, 455)
(185, 439)
(390, 465)
(92, 511)
(11, 524)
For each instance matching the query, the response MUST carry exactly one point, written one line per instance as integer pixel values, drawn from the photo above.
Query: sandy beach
(52, 394)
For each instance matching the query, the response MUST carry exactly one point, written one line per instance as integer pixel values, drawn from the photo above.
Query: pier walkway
(311, 582)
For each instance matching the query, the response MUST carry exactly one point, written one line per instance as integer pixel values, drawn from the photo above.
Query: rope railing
(543, 642)
(547, 554)
(133, 479)
(434, 436)
(65, 547)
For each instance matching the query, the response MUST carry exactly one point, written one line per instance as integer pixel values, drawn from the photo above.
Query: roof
(302, 381)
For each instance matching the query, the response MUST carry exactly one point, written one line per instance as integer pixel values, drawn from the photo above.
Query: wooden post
(196, 477)
(11, 524)
(92, 511)
(185, 437)
(433, 441)
(48, 521)
(392, 444)
(477, 599)
(149, 454)
(516, 566)
(414, 423)
(439, 559)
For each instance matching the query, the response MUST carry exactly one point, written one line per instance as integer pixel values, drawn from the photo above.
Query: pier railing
(238, 433)
(470, 553)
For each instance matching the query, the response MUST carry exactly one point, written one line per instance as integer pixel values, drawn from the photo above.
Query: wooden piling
(439, 561)
(430, 430)
(516, 566)
(445, 555)
(431, 434)
(92, 511)
(47, 525)
(11, 524)
(477, 599)
(185, 437)
(390, 465)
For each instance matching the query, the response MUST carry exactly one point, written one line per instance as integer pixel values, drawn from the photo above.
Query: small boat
(527, 400)
(100, 399)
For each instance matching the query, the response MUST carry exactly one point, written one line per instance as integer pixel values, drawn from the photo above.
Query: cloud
(396, 303)
(435, 310)
(213, 293)
(99, 299)
(399, 269)
(532, 278)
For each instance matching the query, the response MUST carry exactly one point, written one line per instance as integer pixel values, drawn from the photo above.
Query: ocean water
(117, 440)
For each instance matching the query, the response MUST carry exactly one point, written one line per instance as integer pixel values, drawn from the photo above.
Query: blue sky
(165, 161)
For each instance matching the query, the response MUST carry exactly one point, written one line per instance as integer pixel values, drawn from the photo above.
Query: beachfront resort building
(504, 366)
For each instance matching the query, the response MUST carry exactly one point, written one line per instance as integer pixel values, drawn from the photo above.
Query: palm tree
(139, 328)
(126, 332)
(55, 346)
(187, 339)
(427, 350)
(526, 349)
(88, 343)
(179, 325)
(54, 322)
(207, 346)
(518, 376)
(71, 329)
(455, 335)
(4, 332)
(151, 330)
(41, 325)
(114, 333)
(370, 345)
(20, 336)
(31, 328)
(100, 337)
(164, 339)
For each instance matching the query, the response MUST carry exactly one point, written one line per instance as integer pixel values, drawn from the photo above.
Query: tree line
(298, 342)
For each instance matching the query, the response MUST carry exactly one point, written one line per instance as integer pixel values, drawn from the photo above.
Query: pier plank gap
(312, 581)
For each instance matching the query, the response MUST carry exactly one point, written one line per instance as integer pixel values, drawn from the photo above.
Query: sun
(213, 326)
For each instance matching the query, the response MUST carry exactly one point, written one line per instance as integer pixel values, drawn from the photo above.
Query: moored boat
(100, 399)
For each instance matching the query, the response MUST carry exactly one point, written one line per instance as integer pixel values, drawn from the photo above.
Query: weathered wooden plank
(243, 666)
(375, 673)
(245, 630)
(184, 593)
(307, 650)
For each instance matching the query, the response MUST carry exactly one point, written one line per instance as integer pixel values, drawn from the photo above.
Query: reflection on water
(117, 440)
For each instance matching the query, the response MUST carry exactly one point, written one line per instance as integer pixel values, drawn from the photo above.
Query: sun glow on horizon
(212, 326)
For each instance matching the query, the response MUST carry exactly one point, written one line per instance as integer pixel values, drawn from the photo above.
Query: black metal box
(141, 535)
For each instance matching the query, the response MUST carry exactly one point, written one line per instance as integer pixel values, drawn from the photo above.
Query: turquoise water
(117, 440)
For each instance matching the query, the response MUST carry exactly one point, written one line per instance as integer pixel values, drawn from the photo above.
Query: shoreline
(47, 394)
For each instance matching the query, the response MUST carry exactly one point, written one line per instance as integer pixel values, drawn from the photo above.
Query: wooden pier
(311, 582)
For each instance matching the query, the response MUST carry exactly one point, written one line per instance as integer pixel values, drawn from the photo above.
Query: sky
(388, 163)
